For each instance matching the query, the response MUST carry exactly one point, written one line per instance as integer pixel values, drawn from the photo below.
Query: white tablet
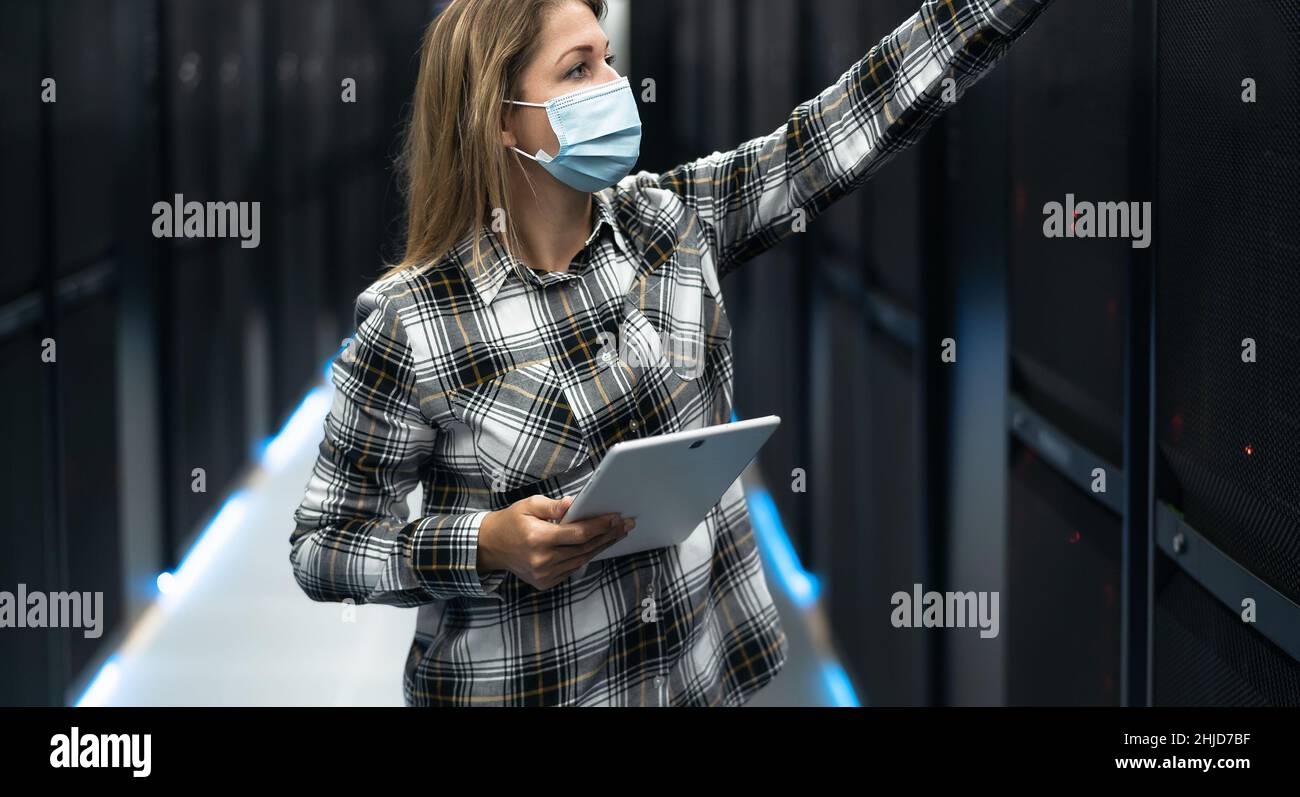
(669, 482)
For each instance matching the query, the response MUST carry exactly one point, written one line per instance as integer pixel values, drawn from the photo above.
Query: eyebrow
(584, 47)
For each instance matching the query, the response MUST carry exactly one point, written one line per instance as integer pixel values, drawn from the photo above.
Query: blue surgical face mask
(599, 130)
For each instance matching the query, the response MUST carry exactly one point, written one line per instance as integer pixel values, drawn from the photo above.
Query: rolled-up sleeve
(352, 540)
(753, 196)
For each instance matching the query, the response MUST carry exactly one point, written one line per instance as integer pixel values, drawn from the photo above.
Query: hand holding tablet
(669, 482)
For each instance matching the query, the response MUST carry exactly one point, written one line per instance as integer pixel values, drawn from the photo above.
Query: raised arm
(352, 540)
(749, 198)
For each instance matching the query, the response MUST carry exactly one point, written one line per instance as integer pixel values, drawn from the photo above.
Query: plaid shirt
(489, 384)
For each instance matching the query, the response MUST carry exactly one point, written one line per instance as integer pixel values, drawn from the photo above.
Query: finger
(585, 531)
(540, 506)
(583, 554)
(569, 553)
(561, 507)
(579, 561)
(560, 558)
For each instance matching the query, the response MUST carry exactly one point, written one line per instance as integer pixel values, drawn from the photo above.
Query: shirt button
(659, 681)
(634, 425)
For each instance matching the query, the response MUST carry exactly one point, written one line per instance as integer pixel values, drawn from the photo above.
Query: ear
(507, 135)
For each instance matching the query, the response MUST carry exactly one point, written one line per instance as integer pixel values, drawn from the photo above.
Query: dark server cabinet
(201, 71)
(1062, 606)
(299, 60)
(82, 166)
(1228, 429)
(62, 499)
(653, 22)
(82, 253)
(20, 128)
(716, 47)
(1070, 127)
(866, 490)
(361, 143)
(240, 376)
(360, 202)
(27, 560)
(891, 259)
(698, 106)
(29, 654)
(865, 479)
(332, 210)
(252, 112)
(91, 480)
(1206, 656)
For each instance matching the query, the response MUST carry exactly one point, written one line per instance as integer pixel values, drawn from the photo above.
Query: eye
(581, 69)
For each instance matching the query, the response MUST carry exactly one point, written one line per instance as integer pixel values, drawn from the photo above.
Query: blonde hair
(453, 165)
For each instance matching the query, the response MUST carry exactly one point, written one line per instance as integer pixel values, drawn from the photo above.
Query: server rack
(170, 356)
(1068, 310)
(1226, 525)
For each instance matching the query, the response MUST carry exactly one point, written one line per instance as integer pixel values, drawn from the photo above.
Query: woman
(550, 305)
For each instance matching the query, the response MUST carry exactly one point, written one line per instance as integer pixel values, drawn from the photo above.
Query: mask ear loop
(532, 105)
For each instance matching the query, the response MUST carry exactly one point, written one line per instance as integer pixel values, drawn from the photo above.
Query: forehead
(567, 26)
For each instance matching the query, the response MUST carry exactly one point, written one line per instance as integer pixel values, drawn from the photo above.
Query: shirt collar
(605, 216)
(496, 265)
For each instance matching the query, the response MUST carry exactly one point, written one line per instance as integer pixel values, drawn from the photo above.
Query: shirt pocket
(673, 319)
(522, 428)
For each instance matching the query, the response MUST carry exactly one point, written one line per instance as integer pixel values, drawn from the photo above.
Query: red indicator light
(1075, 537)
(1250, 450)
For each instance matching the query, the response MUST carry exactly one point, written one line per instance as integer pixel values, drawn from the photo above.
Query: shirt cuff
(444, 555)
